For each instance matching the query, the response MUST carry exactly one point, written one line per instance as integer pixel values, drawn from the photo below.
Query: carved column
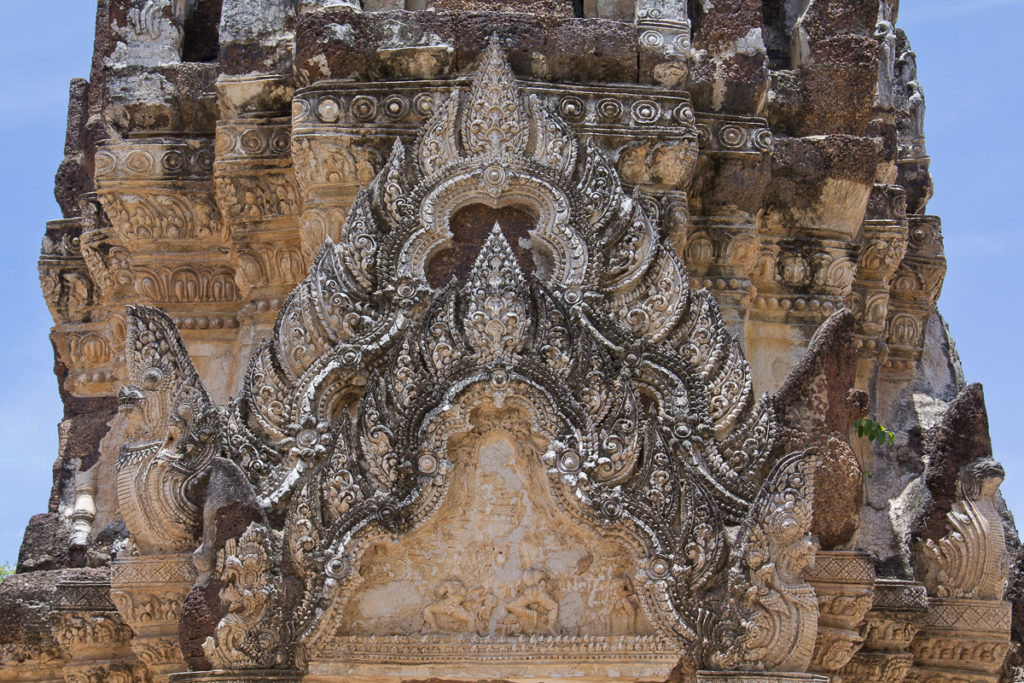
(73, 295)
(331, 163)
(90, 630)
(721, 245)
(882, 249)
(257, 196)
(148, 592)
(915, 289)
(843, 580)
(159, 195)
(889, 628)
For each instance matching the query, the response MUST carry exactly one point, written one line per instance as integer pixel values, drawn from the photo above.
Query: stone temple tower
(516, 340)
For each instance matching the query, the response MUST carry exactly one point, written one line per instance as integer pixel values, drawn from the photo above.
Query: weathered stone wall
(217, 143)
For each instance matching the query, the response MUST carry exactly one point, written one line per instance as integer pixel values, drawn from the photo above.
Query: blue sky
(969, 65)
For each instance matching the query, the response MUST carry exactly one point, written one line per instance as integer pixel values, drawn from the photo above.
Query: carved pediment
(556, 453)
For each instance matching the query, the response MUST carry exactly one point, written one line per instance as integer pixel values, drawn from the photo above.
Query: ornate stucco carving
(248, 637)
(776, 608)
(170, 418)
(640, 404)
(971, 561)
(484, 385)
(965, 633)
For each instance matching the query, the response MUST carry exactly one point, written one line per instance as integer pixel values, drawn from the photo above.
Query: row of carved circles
(735, 137)
(914, 150)
(613, 110)
(261, 306)
(730, 284)
(365, 107)
(654, 12)
(394, 107)
(94, 377)
(256, 141)
(899, 365)
(868, 344)
(796, 304)
(676, 40)
(205, 322)
(160, 162)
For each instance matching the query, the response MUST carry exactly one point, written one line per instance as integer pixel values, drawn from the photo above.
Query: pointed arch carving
(635, 402)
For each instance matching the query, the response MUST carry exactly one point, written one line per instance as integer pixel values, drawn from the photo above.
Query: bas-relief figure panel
(497, 558)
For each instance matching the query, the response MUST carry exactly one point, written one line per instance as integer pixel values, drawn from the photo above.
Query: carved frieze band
(242, 140)
(897, 595)
(410, 649)
(178, 159)
(402, 108)
(152, 570)
(733, 135)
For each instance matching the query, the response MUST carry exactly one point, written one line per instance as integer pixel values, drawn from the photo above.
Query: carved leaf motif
(704, 545)
(358, 244)
(303, 529)
(389, 190)
(340, 487)
(495, 317)
(601, 190)
(437, 146)
(619, 436)
(553, 142)
(658, 302)
(590, 376)
(655, 481)
(731, 391)
(631, 253)
(266, 395)
(377, 442)
(553, 339)
(441, 344)
(296, 342)
(702, 339)
(745, 451)
(495, 123)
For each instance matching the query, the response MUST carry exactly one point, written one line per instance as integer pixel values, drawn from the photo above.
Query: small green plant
(874, 431)
(6, 570)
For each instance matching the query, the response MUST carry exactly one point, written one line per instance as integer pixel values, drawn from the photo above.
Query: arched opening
(202, 31)
(470, 226)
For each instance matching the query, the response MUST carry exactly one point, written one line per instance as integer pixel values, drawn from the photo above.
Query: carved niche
(554, 458)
